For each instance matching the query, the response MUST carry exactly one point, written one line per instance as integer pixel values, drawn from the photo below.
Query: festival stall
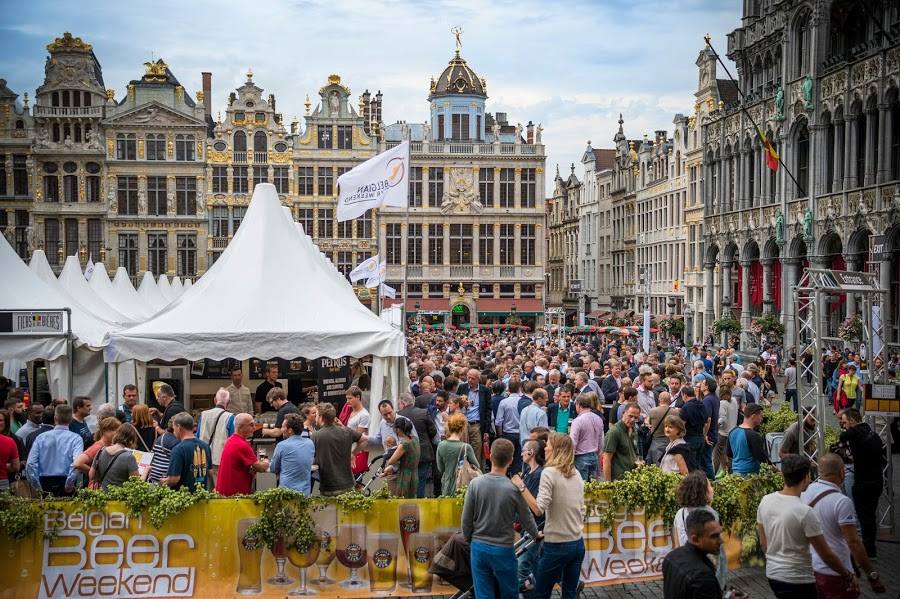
(245, 306)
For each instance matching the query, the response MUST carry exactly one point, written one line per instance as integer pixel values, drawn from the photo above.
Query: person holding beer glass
(404, 462)
(561, 500)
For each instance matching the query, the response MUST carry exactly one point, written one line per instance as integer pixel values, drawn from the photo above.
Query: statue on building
(334, 103)
(537, 134)
(808, 225)
(426, 131)
(462, 196)
(779, 103)
(807, 87)
(404, 131)
(146, 116)
(111, 198)
(43, 140)
(779, 228)
(10, 234)
(142, 201)
(518, 133)
(29, 238)
(170, 202)
(92, 140)
(495, 130)
(68, 142)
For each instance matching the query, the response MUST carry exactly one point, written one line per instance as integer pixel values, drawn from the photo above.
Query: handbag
(97, 482)
(465, 472)
(22, 488)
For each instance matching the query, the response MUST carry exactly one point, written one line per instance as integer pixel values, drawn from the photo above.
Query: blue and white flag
(89, 267)
(379, 181)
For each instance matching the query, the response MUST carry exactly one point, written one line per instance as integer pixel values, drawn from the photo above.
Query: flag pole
(377, 226)
(743, 108)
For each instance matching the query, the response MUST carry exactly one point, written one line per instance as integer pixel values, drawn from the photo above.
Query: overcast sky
(572, 66)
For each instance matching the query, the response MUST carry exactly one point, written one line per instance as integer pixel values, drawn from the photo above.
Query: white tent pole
(71, 351)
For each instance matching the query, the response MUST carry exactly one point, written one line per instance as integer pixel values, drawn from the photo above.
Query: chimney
(529, 135)
(207, 94)
(501, 118)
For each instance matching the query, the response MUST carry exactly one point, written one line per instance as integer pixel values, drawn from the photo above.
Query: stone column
(768, 302)
(425, 193)
(822, 302)
(884, 142)
(788, 282)
(446, 232)
(726, 287)
(851, 262)
(850, 133)
(745, 297)
(761, 170)
(838, 157)
(708, 306)
(425, 245)
(870, 168)
(517, 190)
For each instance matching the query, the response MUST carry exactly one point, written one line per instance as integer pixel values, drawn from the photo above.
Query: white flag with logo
(377, 278)
(387, 291)
(379, 181)
(367, 269)
(89, 268)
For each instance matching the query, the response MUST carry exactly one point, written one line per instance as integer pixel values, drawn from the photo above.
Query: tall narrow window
(507, 244)
(345, 137)
(157, 252)
(220, 179)
(184, 148)
(507, 187)
(3, 175)
(528, 187)
(260, 175)
(527, 245)
(415, 187)
(156, 196)
(71, 236)
(326, 181)
(392, 243)
(364, 226)
(345, 229)
(460, 244)
(237, 217)
(305, 180)
(187, 254)
(440, 131)
(185, 196)
(325, 140)
(486, 245)
(51, 182)
(239, 183)
(305, 218)
(219, 221)
(156, 146)
(128, 252)
(326, 222)
(435, 187)
(92, 182)
(126, 146)
(20, 175)
(460, 124)
(414, 244)
(127, 194)
(280, 178)
(51, 239)
(435, 244)
(486, 186)
(345, 262)
(803, 161)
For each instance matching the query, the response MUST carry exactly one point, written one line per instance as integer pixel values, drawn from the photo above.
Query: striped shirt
(162, 451)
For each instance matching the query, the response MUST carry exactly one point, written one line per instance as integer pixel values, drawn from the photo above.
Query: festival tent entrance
(266, 297)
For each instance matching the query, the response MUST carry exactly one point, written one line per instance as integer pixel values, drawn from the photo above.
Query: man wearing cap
(791, 440)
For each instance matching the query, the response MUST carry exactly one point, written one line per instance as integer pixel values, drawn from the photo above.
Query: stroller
(452, 563)
(362, 484)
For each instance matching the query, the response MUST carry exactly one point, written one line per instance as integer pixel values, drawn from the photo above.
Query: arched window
(260, 142)
(54, 99)
(56, 137)
(240, 141)
(859, 169)
(769, 69)
(751, 170)
(758, 75)
(802, 48)
(65, 98)
(77, 133)
(829, 151)
(849, 29)
(895, 135)
(801, 166)
(87, 98)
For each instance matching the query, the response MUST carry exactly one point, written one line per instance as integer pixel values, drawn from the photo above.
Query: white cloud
(572, 66)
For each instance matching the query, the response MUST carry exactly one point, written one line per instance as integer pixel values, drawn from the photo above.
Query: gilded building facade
(821, 80)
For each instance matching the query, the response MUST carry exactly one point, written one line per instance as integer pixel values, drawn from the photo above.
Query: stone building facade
(623, 194)
(590, 243)
(563, 229)
(472, 241)
(822, 82)
(16, 168)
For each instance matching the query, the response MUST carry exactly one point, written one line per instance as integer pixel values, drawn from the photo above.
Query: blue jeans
(492, 565)
(560, 562)
(587, 466)
(424, 471)
(528, 560)
(707, 460)
(791, 396)
(696, 444)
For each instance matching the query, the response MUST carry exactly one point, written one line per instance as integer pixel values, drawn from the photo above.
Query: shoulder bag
(465, 472)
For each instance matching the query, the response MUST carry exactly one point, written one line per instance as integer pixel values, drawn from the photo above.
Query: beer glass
(249, 555)
(279, 551)
(409, 524)
(303, 560)
(326, 522)
(382, 550)
(351, 552)
(419, 555)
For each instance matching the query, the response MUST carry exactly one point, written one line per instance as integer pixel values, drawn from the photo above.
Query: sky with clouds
(572, 65)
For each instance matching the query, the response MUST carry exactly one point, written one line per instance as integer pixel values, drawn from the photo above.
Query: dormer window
(460, 84)
(239, 115)
(260, 117)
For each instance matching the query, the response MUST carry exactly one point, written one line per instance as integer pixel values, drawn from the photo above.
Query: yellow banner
(202, 553)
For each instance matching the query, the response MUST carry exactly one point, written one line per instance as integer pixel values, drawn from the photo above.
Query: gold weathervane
(457, 32)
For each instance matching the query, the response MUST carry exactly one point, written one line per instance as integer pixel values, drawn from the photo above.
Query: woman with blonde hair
(561, 500)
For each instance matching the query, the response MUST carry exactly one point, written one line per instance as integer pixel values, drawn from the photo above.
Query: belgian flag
(771, 154)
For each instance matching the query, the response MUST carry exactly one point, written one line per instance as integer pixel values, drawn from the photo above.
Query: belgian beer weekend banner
(200, 553)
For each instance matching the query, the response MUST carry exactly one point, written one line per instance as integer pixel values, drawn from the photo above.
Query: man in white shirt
(787, 527)
(240, 402)
(214, 427)
(838, 516)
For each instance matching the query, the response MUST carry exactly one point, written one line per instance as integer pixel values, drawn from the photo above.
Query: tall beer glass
(420, 554)
(409, 524)
(249, 555)
(303, 560)
(326, 525)
(382, 549)
(351, 552)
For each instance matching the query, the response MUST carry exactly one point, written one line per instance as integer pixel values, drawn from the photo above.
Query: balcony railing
(260, 157)
(507, 272)
(414, 270)
(240, 156)
(474, 147)
(460, 271)
(94, 112)
(219, 243)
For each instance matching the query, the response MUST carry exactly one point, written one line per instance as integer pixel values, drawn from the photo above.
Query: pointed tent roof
(124, 289)
(310, 315)
(177, 286)
(187, 284)
(150, 293)
(165, 288)
(72, 280)
(106, 291)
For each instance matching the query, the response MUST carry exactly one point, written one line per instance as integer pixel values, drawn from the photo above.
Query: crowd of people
(523, 423)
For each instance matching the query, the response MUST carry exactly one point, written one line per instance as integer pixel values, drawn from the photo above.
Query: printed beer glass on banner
(420, 553)
(409, 524)
(382, 548)
(351, 552)
(250, 556)
(303, 560)
(279, 551)
(326, 523)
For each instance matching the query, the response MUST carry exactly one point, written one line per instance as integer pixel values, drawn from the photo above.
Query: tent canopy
(245, 306)
(72, 280)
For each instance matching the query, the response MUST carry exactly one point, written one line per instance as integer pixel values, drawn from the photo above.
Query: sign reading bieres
(107, 554)
(33, 322)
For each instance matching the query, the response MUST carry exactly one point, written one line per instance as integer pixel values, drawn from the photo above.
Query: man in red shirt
(239, 463)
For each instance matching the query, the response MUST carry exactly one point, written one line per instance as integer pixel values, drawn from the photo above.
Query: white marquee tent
(250, 304)
(165, 288)
(150, 293)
